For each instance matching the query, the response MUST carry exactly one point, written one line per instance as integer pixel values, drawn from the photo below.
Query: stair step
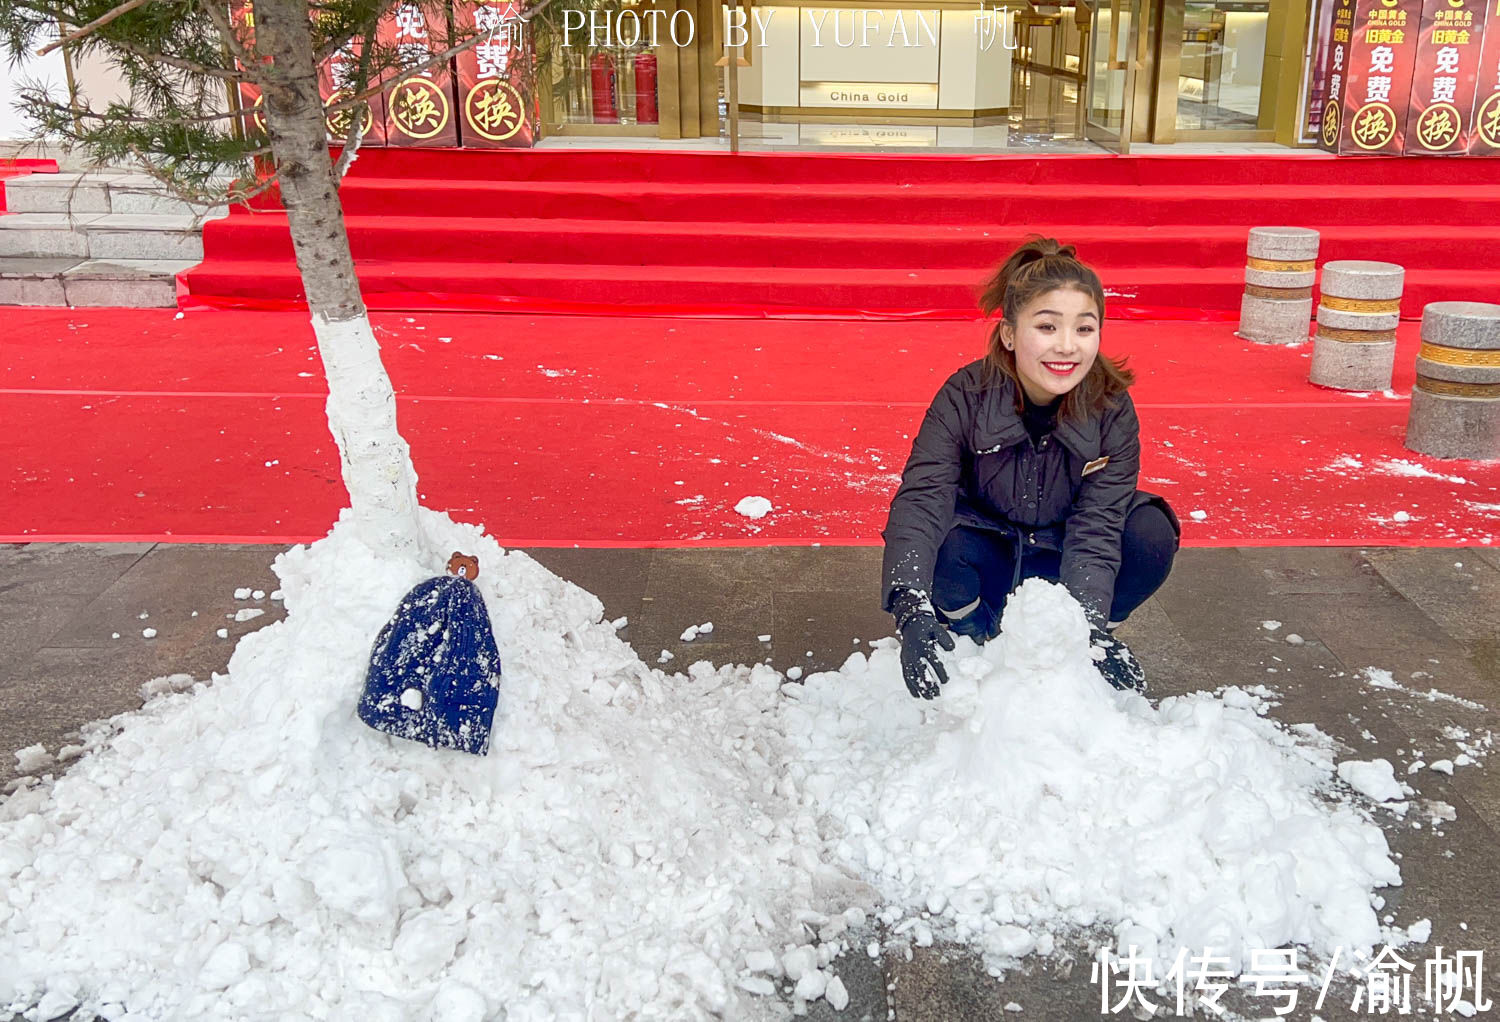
(130, 283)
(34, 280)
(46, 234)
(59, 193)
(145, 236)
(50, 280)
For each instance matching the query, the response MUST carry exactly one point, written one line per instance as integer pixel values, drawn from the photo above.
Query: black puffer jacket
(973, 463)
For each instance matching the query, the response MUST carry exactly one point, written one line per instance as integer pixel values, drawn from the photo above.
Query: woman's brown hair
(1038, 266)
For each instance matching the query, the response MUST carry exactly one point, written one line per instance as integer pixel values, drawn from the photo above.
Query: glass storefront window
(1223, 57)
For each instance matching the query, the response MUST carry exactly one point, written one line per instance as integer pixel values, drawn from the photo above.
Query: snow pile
(251, 849)
(643, 845)
(1034, 797)
(753, 507)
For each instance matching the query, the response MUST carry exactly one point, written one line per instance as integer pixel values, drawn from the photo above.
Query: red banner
(1484, 128)
(336, 81)
(1335, 70)
(1377, 91)
(242, 17)
(419, 107)
(494, 97)
(1447, 63)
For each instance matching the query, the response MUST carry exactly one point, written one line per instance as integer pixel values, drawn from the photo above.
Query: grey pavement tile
(827, 625)
(1458, 592)
(169, 584)
(69, 567)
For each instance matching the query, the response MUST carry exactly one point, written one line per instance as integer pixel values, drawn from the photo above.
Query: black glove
(1115, 661)
(921, 635)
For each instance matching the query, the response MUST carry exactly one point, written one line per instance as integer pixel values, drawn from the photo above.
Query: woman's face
(1056, 339)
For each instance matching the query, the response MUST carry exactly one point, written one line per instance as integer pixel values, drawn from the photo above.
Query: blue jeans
(975, 567)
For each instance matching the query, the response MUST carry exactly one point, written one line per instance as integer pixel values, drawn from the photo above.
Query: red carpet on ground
(561, 430)
(853, 235)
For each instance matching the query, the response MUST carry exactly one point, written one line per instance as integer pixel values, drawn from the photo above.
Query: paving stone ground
(1430, 616)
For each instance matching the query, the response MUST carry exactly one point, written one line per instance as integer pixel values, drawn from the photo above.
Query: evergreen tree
(183, 62)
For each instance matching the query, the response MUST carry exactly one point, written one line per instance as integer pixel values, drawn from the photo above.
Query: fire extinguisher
(645, 88)
(606, 104)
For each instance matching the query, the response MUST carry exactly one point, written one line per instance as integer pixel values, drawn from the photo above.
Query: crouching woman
(1026, 466)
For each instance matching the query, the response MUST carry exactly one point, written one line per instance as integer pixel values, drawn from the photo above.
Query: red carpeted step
(423, 285)
(971, 247)
(884, 234)
(1301, 168)
(964, 203)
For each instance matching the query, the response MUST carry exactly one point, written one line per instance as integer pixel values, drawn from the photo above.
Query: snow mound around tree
(639, 844)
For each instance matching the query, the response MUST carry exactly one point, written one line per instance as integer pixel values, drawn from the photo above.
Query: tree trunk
(376, 461)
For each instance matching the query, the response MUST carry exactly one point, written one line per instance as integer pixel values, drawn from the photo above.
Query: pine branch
(180, 63)
(92, 27)
(231, 38)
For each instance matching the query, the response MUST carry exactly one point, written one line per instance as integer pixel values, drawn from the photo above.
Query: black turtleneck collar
(1039, 420)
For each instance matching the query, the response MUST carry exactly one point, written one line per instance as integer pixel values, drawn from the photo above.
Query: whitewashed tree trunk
(376, 461)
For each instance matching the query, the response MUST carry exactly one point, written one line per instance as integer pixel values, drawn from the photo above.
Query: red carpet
(555, 430)
(853, 234)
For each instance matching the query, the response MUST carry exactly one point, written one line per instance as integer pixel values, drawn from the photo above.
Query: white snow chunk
(1442, 766)
(248, 613)
(412, 699)
(1013, 1006)
(1401, 516)
(705, 628)
(222, 633)
(836, 995)
(760, 960)
(753, 507)
(1419, 931)
(1375, 778)
(1293, 639)
(276, 594)
(762, 638)
(664, 656)
(32, 758)
(259, 594)
(225, 966)
(242, 593)
(794, 673)
(148, 633)
(619, 622)
(1197, 516)
(689, 633)
(1270, 626)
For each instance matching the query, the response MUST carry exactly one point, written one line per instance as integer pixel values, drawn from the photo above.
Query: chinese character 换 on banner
(419, 103)
(338, 79)
(1484, 126)
(1443, 82)
(495, 98)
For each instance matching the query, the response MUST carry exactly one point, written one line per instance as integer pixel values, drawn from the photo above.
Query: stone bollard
(1280, 266)
(1455, 406)
(1355, 346)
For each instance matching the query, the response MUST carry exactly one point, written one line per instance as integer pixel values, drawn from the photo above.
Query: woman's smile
(1061, 368)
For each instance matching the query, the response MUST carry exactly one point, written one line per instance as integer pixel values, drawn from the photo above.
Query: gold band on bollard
(1285, 293)
(1486, 358)
(1447, 388)
(1334, 333)
(1337, 304)
(1280, 265)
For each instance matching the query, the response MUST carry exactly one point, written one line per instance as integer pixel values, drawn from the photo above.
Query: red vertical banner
(419, 106)
(494, 76)
(1447, 64)
(242, 18)
(1484, 128)
(336, 82)
(1335, 71)
(1377, 91)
